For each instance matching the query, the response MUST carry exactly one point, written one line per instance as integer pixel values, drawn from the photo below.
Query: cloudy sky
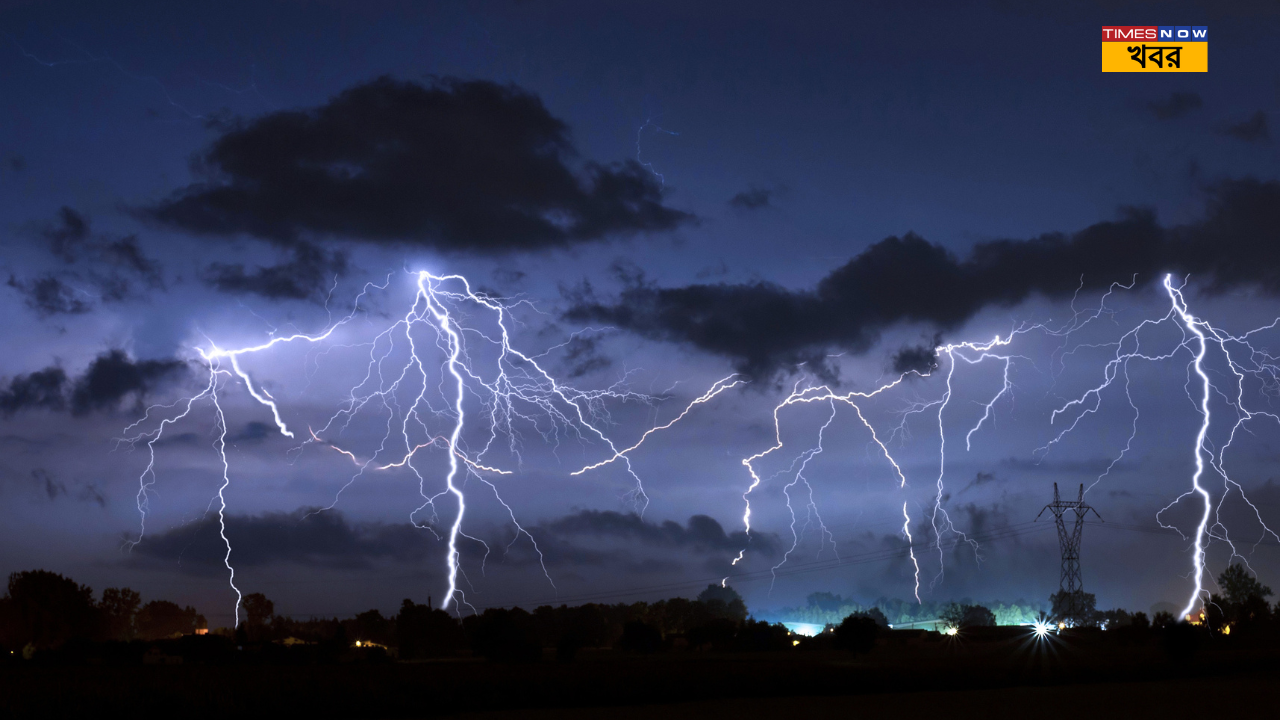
(659, 196)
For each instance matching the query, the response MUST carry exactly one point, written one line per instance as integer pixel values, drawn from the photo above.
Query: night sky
(664, 195)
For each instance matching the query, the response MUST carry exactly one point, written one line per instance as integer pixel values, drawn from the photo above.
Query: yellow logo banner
(1138, 56)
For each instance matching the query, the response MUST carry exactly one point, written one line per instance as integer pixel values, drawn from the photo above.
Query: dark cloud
(306, 276)
(113, 376)
(983, 520)
(1252, 130)
(91, 493)
(920, 359)
(582, 356)
(306, 536)
(982, 478)
(108, 269)
(110, 378)
(468, 166)
(48, 295)
(43, 389)
(54, 488)
(125, 253)
(48, 484)
(751, 199)
(327, 539)
(1176, 105)
(764, 328)
(701, 534)
(66, 234)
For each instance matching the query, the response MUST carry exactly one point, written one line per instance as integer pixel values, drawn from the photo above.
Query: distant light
(795, 643)
(805, 629)
(357, 643)
(1041, 628)
(952, 631)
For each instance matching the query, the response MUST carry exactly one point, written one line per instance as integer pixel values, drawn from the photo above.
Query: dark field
(992, 674)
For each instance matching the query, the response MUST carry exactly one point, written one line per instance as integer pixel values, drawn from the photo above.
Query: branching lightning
(487, 388)
(1197, 337)
(488, 394)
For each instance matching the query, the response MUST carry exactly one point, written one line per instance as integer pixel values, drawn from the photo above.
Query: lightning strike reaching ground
(1197, 558)
(1197, 335)
(489, 390)
(971, 353)
(1241, 358)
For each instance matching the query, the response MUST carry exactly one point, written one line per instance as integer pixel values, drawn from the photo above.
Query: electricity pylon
(1071, 583)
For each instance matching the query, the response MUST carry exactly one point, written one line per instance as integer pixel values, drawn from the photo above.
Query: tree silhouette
(258, 609)
(639, 636)
(503, 635)
(967, 616)
(370, 625)
(724, 601)
(161, 619)
(119, 607)
(875, 614)
(857, 634)
(424, 632)
(47, 609)
(1243, 600)
(1085, 605)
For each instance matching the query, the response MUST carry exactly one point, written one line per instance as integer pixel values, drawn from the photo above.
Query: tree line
(44, 611)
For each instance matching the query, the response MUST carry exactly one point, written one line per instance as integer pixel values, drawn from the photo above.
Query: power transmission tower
(1071, 583)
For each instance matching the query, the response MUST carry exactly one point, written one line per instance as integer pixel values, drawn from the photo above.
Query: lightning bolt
(493, 398)
(489, 390)
(1197, 558)
(1198, 336)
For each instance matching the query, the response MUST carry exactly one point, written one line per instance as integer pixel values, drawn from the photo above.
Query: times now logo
(1185, 33)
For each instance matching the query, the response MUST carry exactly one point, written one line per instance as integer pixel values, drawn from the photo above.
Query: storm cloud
(310, 537)
(764, 328)
(304, 277)
(306, 536)
(109, 379)
(465, 166)
(49, 295)
(701, 533)
(94, 269)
